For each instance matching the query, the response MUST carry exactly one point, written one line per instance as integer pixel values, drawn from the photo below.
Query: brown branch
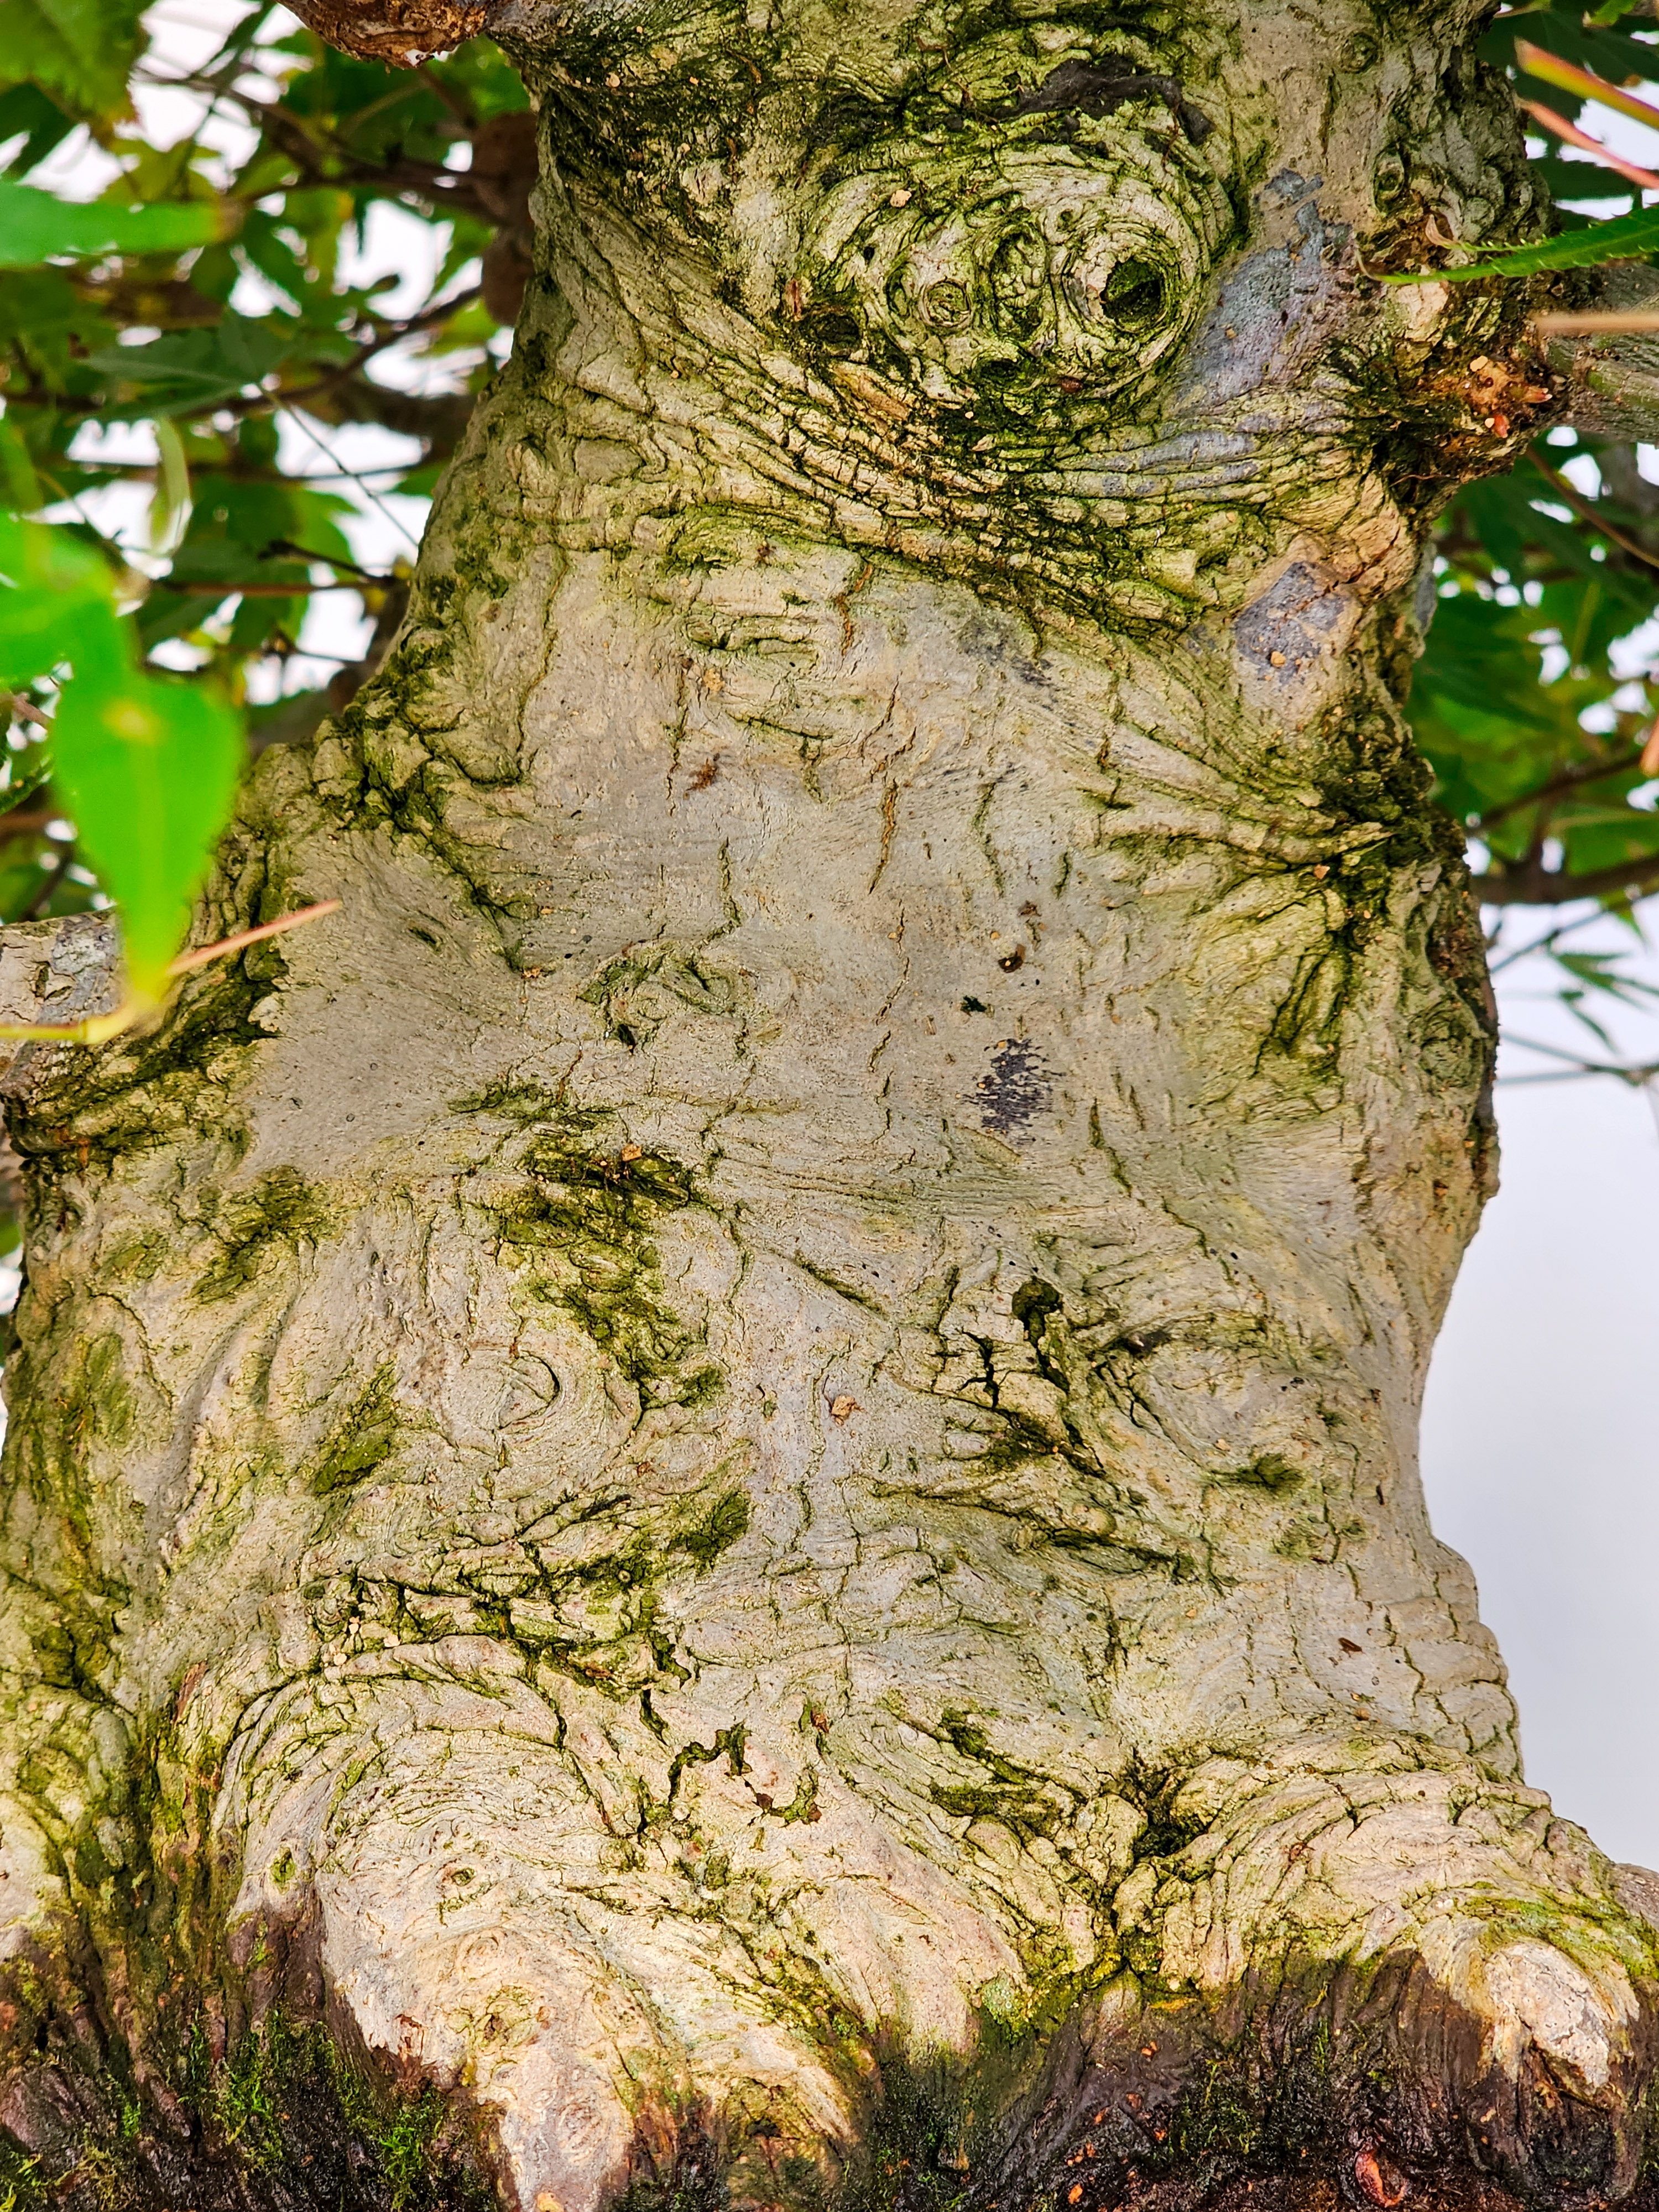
(437, 419)
(325, 157)
(451, 100)
(1638, 1073)
(1530, 883)
(286, 396)
(1574, 137)
(335, 379)
(1596, 322)
(1569, 780)
(51, 874)
(251, 591)
(1575, 499)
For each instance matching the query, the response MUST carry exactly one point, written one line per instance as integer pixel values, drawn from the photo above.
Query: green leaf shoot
(37, 226)
(1626, 238)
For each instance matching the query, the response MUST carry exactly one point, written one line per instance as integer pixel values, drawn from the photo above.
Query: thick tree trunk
(733, 1475)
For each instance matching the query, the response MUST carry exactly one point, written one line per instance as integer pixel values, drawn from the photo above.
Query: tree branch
(1569, 780)
(1639, 1071)
(437, 419)
(1530, 883)
(1570, 496)
(1613, 381)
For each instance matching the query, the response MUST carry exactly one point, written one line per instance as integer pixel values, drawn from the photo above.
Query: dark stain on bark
(1101, 87)
(1298, 2093)
(284, 2122)
(1014, 1090)
(1285, 632)
(1277, 308)
(1285, 2098)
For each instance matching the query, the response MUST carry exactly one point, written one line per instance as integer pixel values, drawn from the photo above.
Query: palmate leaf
(26, 108)
(79, 50)
(347, 139)
(37, 226)
(1578, 180)
(1626, 238)
(49, 325)
(50, 589)
(1598, 971)
(1479, 656)
(186, 372)
(1607, 56)
(149, 769)
(1614, 54)
(1585, 84)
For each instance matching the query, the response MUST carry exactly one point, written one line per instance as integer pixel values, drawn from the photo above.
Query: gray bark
(734, 1472)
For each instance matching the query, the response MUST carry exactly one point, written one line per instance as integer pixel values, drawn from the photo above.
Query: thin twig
(203, 953)
(198, 591)
(1558, 124)
(368, 490)
(343, 374)
(1640, 1073)
(99, 1029)
(1597, 322)
(1586, 508)
(451, 100)
(1638, 1078)
(1536, 886)
(334, 561)
(1543, 944)
(52, 870)
(1567, 77)
(1569, 780)
(393, 334)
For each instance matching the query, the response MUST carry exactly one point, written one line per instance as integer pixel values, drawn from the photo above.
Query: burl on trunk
(718, 1503)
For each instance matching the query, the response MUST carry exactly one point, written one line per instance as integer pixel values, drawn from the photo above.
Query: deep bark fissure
(726, 1490)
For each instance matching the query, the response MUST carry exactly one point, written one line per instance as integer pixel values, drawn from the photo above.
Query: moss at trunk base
(285, 2120)
(1308, 2115)
(1120, 2101)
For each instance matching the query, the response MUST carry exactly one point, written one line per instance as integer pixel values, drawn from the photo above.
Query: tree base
(1125, 2106)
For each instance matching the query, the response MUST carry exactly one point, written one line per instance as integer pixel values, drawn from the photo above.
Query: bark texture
(722, 1497)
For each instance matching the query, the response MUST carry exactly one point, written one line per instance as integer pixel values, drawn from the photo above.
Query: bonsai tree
(717, 1502)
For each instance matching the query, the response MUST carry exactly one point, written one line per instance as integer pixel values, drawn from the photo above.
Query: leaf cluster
(1535, 699)
(180, 356)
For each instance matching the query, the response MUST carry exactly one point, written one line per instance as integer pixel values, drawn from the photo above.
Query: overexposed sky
(1540, 1445)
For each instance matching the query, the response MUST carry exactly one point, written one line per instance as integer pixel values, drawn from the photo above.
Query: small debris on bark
(1382, 2183)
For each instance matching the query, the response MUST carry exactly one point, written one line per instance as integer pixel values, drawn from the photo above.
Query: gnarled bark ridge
(733, 1477)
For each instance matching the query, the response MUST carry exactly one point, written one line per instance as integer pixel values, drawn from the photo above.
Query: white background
(1539, 1432)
